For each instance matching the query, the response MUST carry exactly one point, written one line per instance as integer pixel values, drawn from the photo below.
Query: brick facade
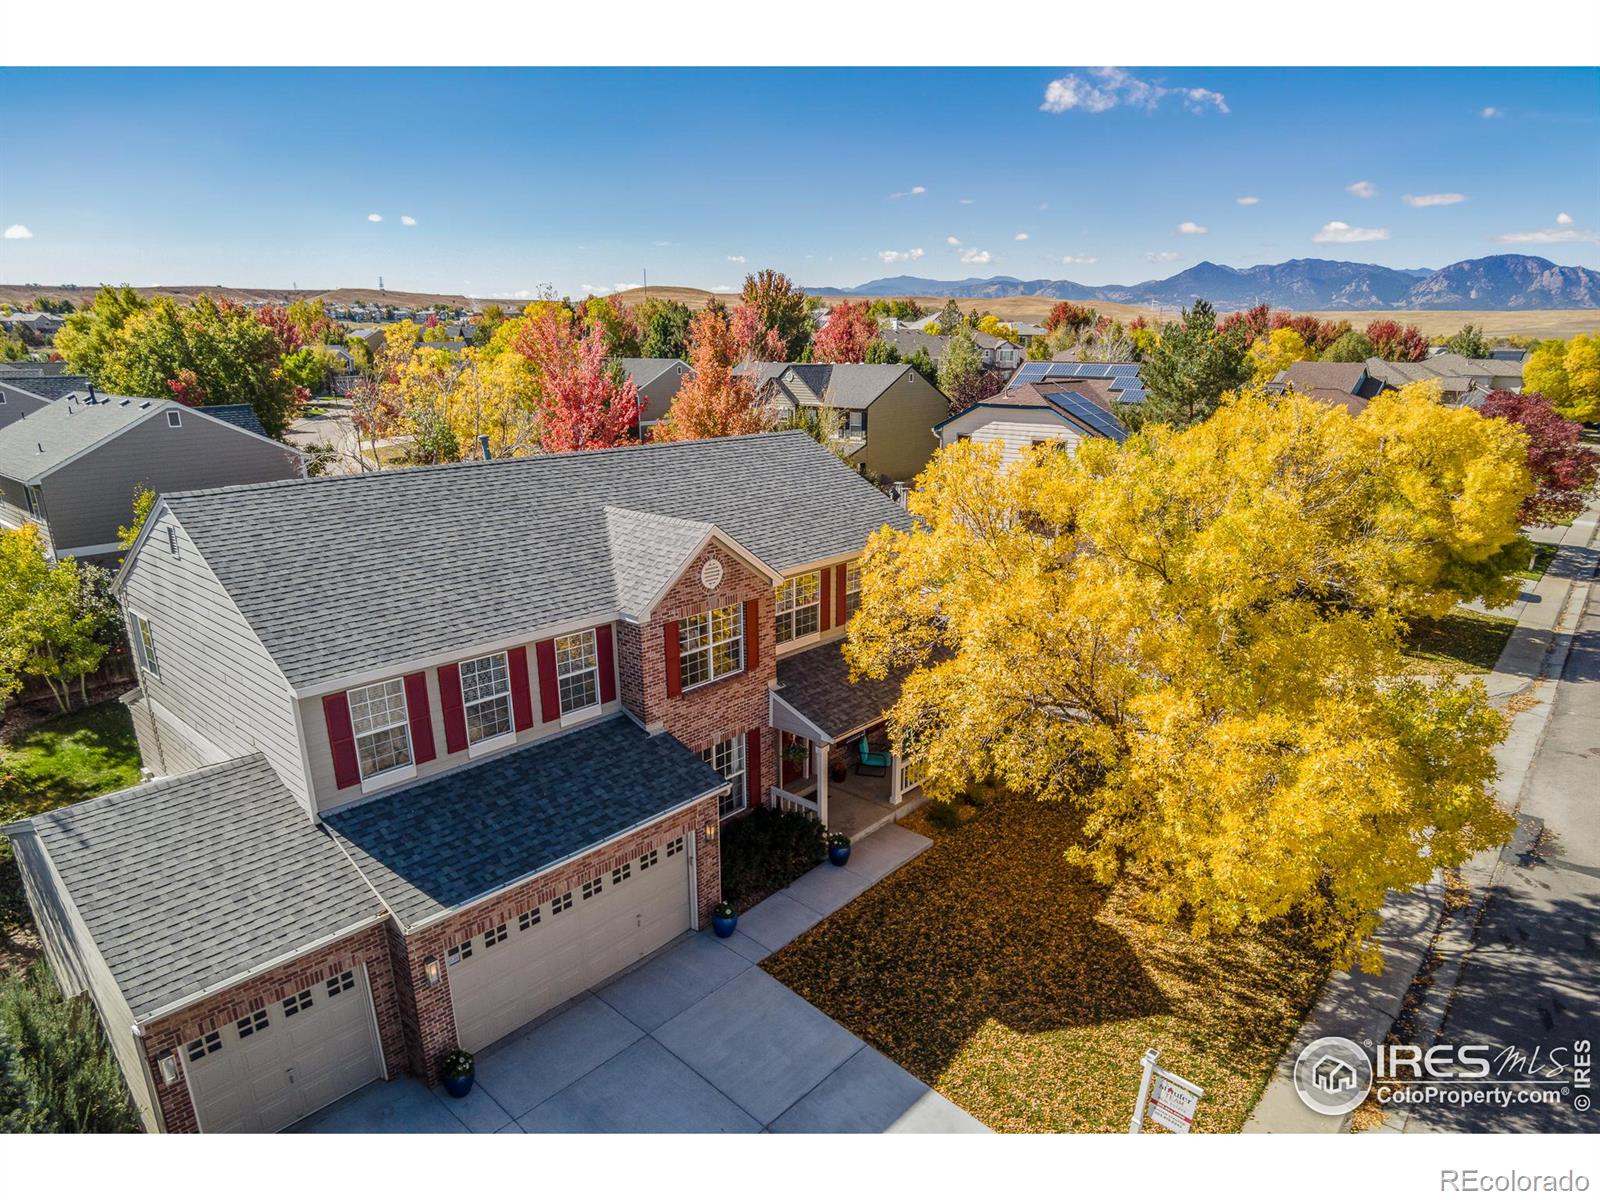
(369, 948)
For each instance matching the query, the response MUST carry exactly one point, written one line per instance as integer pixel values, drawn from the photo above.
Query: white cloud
(1070, 259)
(965, 201)
(596, 289)
(1491, 112)
(1338, 231)
(952, 240)
(1191, 227)
(1108, 87)
(916, 191)
(897, 256)
(1248, 200)
(1162, 256)
(1561, 219)
(374, 217)
(17, 232)
(1021, 237)
(736, 258)
(1433, 199)
(1549, 236)
(972, 255)
(408, 220)
(1363, 189)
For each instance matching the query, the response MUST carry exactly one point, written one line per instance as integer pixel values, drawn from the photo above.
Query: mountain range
(1498, 282)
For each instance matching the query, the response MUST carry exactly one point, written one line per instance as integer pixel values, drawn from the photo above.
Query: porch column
(822, 782)
(896, 769)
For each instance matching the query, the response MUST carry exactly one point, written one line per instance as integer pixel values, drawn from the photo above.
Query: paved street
(1533, 978)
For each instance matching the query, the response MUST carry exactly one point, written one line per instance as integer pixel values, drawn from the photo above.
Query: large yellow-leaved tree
(1196, 637)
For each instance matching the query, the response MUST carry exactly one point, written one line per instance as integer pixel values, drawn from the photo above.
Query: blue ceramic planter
(724, 926)
(838, 855)
(459, 1085)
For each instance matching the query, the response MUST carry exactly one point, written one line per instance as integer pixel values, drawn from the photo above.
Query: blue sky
(583, 178)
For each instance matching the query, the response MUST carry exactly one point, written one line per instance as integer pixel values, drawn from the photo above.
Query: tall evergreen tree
(1187, 372)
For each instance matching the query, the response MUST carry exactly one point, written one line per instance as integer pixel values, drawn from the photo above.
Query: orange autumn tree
(844, 338)
(714, 402)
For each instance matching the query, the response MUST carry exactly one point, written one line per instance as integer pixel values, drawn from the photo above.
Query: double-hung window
(577, 671)
(727, 759)
(378, 716)
(711, 646)
(147, 647)
(799, 607)
(852, 589)
(486, 697)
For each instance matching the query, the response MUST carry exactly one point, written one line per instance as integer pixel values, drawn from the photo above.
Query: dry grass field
(21, 293)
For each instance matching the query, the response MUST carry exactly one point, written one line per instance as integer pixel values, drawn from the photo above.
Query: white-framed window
(383, 736)
(147, 646)
(855, 421)
(727, 759)
(711, 646)
(577, 671)
(799, 607)
(852, 589)
(174, 418)
(486, 696)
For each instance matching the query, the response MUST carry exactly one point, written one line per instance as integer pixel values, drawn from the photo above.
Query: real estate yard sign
(1167, 1099)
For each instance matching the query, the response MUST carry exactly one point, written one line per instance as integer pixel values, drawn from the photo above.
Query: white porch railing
(789, 802)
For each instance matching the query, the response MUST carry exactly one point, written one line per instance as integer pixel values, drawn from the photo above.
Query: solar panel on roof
(1131, 395)
(1090, 414)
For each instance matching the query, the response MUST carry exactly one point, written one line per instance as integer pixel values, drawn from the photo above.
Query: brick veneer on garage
(431, 1024)
(370, 947)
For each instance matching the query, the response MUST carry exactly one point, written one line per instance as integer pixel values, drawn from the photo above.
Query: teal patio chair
(868, 759)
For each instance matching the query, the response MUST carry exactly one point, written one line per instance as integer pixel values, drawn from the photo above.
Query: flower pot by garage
(457, 1070)
(838, 849)
(459, 1085)
(724, 920)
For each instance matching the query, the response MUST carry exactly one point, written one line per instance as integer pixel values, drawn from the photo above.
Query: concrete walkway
(694, 1040)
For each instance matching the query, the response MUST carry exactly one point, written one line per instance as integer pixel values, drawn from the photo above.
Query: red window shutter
(825, 598)
(342, 738)
(521, 693)
(838, 592)
(420, 716)
(669, 641)
(752, 634)
(752, 767)
(455, 715)
(607, 663)
(544, 654)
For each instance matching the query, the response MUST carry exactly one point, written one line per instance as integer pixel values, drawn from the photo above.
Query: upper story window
(799, 607)
(378, 716)
(727, 759)
(577, 671)
(855, 421)
(711, 646)
(486, 696)
(147, 647)
(174, 418)
(852, 589)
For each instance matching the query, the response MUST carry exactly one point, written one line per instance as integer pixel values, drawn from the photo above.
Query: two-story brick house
(434, 751)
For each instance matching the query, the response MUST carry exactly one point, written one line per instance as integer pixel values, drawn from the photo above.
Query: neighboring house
(1348, 384)
(888, 409)
(1459, 378)
(23, 394)
(73, 466)
(438, 749)
(1000, 353)
(1027, 331)
(42, 326)
(371, 335)
(658, 381)
(32, 367)
(1060, 412)
(1122, 377)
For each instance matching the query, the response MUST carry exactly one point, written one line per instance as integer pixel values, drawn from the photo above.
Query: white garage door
(505, 977)
(287, 1060)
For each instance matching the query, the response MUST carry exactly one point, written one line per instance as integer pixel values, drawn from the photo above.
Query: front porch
(835, 760)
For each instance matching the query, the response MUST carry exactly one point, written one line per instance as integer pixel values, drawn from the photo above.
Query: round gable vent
(711, 574)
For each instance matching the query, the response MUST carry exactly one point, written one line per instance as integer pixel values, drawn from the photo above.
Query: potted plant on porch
(457, 1071)
(724, 919)
(838, 771)
(794, 754)
(838, 849)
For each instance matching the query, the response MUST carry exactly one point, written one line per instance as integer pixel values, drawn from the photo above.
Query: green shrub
(56, 1071)
(943, 815)
(768, 850)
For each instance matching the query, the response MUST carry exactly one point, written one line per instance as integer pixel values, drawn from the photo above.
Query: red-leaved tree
(755, 340)
(1073, 316)
(1563, 471)
(585, 402)
(844, 338)
(1395, 343)
(278, 320)
(714, 402)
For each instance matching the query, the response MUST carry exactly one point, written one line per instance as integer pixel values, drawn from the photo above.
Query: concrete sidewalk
(1363, 1007)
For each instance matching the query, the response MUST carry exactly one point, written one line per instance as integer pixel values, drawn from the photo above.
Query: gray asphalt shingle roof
(816, 684)
(47, 387)
(187, 882)
(435, 846)
(241, 415)
(841, 385)
(64, 429)
(348, 574)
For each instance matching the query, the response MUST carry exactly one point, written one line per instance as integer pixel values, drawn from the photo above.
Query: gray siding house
(72, 466)
(658, 381)
(21, 394)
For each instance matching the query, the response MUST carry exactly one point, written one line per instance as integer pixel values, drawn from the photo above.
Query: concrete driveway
(695, 1040)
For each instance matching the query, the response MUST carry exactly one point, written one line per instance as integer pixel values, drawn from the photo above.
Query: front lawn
(1543, 552)
(56, 762)
(1024, 992)
(1464, 641)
